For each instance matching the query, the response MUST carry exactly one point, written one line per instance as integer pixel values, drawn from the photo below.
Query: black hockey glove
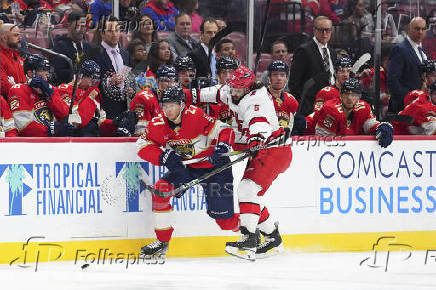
(221, 148)
(44, 86)
(126, 123)
(384, 134)
(300, 125)
(59, 129)
(171, 160)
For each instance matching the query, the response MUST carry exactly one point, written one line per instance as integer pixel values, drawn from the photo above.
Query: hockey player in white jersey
(255, 123)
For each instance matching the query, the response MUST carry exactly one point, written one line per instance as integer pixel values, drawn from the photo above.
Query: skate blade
(273, 252)
(247, 254)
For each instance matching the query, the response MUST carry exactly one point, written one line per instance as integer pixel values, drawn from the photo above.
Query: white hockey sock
(249, 204)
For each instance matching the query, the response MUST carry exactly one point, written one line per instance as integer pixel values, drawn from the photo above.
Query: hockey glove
(44, 86)
(60, 129)
(300, 125)
(384, 134)
(126, 123)
(255, 140)
(171, 160)
(221, 148)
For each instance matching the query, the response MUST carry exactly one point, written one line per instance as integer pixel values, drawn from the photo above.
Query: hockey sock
(162, 212)
(266, 225)
(249, 204)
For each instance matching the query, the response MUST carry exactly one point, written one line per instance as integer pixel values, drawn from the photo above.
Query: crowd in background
(110, 61)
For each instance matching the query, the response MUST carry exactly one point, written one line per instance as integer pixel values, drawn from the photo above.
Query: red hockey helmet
(242, 78)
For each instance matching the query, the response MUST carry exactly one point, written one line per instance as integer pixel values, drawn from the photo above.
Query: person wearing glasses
(312, 66)
(404, 74)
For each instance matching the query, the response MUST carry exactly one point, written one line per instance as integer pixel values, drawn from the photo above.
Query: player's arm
(259, 129)
(328, 122)
(370, 123)
(57, 105)
(151, 140)
(87, 106)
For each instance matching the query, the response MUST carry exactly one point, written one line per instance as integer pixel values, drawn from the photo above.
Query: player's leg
(219, 197)
(162, 212)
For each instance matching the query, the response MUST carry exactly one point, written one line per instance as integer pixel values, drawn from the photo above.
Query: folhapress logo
(16, 176)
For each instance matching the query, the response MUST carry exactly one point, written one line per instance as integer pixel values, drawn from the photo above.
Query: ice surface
(287, 271)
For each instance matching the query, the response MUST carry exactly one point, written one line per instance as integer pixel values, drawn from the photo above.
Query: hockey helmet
(351, 85)
(242, 77)
(226, 62)
(90, 69)
(428, 66)
(172, 94)
(36, 62)
(184, 63)
(278, 65)
(167, 72)
(343, 62)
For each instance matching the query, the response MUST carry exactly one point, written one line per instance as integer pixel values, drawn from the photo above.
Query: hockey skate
(156, 249)
(245, 247)
(272, 244)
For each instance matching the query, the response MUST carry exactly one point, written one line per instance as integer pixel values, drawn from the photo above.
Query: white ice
(287, 271)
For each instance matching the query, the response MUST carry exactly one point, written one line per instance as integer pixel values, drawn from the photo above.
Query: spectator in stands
(72, 45)
(389, 28)
(11, 65)
(204, 63)
(159, 55)
(312, 66)
(279, 51)
(138, 56)
(359, 20)
(404, 73)
(180, 40)
(99, 9)
(333, 9)
(225, 47)
(124, 10)
(190, 7)
(147, 31)
(112, 60)
(163, 13)
(9, 16)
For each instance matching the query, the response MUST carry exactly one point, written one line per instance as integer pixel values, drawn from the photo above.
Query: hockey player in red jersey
(186, 132)
(342, 74)
(185, 68)
(285, 104)
(351, 116)
(256, 121)
(423, 111)
(428, 76)
(7, 125)
(145, 103)
(35, 106)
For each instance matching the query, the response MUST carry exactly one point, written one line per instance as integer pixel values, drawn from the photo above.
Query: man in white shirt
(404, 68)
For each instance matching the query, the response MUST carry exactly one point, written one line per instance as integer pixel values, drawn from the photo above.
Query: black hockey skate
(272, 244)
(245, 248)
(155, 249)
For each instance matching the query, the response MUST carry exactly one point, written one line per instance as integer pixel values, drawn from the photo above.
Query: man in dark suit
(200, 55)
(312, 66)
(71, 45)
(112, 60)
(180, 40)
(404, 68)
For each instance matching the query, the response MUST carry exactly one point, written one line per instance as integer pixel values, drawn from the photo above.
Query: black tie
(325, 59)
(421, 52)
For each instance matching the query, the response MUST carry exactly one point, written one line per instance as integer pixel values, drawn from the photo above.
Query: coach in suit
(404, 73)
(112, 58)
(312, 65)
(200, 55)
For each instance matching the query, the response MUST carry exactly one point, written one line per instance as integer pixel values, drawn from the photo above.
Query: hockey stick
(194, 181)
(262, 36)
(390, 117)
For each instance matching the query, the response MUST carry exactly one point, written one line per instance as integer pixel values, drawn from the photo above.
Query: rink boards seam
(20, 253)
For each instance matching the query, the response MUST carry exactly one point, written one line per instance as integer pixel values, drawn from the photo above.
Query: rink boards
(76, 199)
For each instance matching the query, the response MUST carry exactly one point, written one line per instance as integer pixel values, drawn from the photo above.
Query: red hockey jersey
(286, 106)
(146, 106)
(31, 113)
(194, 138)
(424, 114)
(7, 123)
(332, 120)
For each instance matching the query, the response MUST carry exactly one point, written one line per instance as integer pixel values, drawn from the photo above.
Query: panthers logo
(183, 147)
(284, 122)
(42, 113)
